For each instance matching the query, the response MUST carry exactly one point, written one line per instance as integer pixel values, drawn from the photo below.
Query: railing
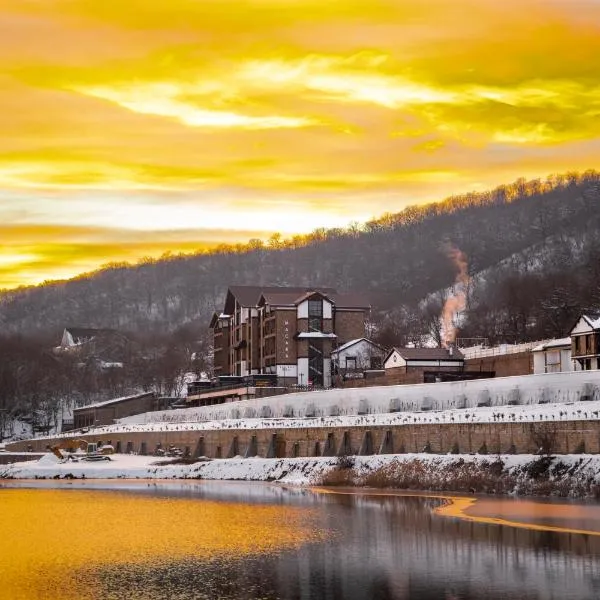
(480, 352)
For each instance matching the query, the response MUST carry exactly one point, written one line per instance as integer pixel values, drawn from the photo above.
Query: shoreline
(558, 476)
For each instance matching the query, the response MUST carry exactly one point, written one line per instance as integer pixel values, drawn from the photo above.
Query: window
(375, 362)
(350, 363)
(315, 315)
(315, 308)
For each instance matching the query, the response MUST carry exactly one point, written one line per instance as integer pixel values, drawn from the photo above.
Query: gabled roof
(249, 296)
(287, 298)
(356, 341)
(83, 333)
(427, 354)
(216, 318)
(593, 320)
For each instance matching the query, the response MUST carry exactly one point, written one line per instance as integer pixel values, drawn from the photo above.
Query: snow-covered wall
(525, 389)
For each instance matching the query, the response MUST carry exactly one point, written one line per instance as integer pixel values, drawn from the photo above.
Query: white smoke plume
(457, 300)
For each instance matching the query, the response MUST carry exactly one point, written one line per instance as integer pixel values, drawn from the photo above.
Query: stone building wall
(560, 437)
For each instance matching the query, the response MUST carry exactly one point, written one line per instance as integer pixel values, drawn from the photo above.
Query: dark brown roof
(291, 298)
(428, 354)
(351, 300)
(249, 295)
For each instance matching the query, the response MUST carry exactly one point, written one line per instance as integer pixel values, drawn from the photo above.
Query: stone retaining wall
(568, 437)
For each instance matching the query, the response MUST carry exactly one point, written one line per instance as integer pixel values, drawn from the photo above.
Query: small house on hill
(357, 356)
(405, 360)
(105, 413)
(553, 357)
(73, 337)
(585, 342)
(105, 347)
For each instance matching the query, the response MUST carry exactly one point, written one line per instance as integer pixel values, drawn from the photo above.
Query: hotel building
(289, 332)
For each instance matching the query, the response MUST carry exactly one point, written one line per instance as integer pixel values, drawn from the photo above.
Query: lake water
(189, 540)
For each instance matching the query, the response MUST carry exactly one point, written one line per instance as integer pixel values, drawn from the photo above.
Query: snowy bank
(564, 476)
(187, 419)
(498, 393)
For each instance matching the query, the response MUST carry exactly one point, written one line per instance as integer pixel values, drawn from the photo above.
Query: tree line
(533, 265)
(40, 384)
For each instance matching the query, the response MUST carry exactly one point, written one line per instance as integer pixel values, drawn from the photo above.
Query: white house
(357, 356)
(553, 357)
(585, 342)
(435, 359)
(76, 336)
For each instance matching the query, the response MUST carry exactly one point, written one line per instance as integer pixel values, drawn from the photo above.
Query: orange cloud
(278, 114)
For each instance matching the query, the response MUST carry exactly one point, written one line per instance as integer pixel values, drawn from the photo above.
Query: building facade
(289, 332)
(421, 359)
(585, 343)
(105, 413)
(357, 356)
(553, 357)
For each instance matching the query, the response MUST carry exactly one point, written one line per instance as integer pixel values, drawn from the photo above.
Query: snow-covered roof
(82, 334)
(560, 343)
(356, 341)
(592, 320)
(218, 317)
(115, 401)
(427, 353)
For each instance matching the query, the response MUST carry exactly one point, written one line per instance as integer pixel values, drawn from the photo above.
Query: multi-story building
(289, 332)
(220, 326)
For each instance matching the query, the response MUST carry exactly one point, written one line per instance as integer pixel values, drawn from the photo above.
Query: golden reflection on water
(50, 537)
(523, 514)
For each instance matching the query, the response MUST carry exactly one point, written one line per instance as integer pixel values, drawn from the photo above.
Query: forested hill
(529, 239)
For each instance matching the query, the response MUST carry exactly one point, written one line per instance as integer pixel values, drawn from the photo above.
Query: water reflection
(331, 546)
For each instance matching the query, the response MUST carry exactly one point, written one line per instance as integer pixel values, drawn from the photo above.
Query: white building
(357, 356)
(553, 357)
(407, 359)
(585, 343)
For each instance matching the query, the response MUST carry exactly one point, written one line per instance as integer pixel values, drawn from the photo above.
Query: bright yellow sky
(132, 128)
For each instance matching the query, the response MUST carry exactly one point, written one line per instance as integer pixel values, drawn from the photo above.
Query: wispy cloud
(276, 114)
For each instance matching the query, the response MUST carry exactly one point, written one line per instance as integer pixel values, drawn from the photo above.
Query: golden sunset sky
(131, 128)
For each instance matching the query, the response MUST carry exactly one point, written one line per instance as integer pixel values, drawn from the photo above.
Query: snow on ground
(495, 414)
(525, 390)
(571, 469)
(125, 466)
